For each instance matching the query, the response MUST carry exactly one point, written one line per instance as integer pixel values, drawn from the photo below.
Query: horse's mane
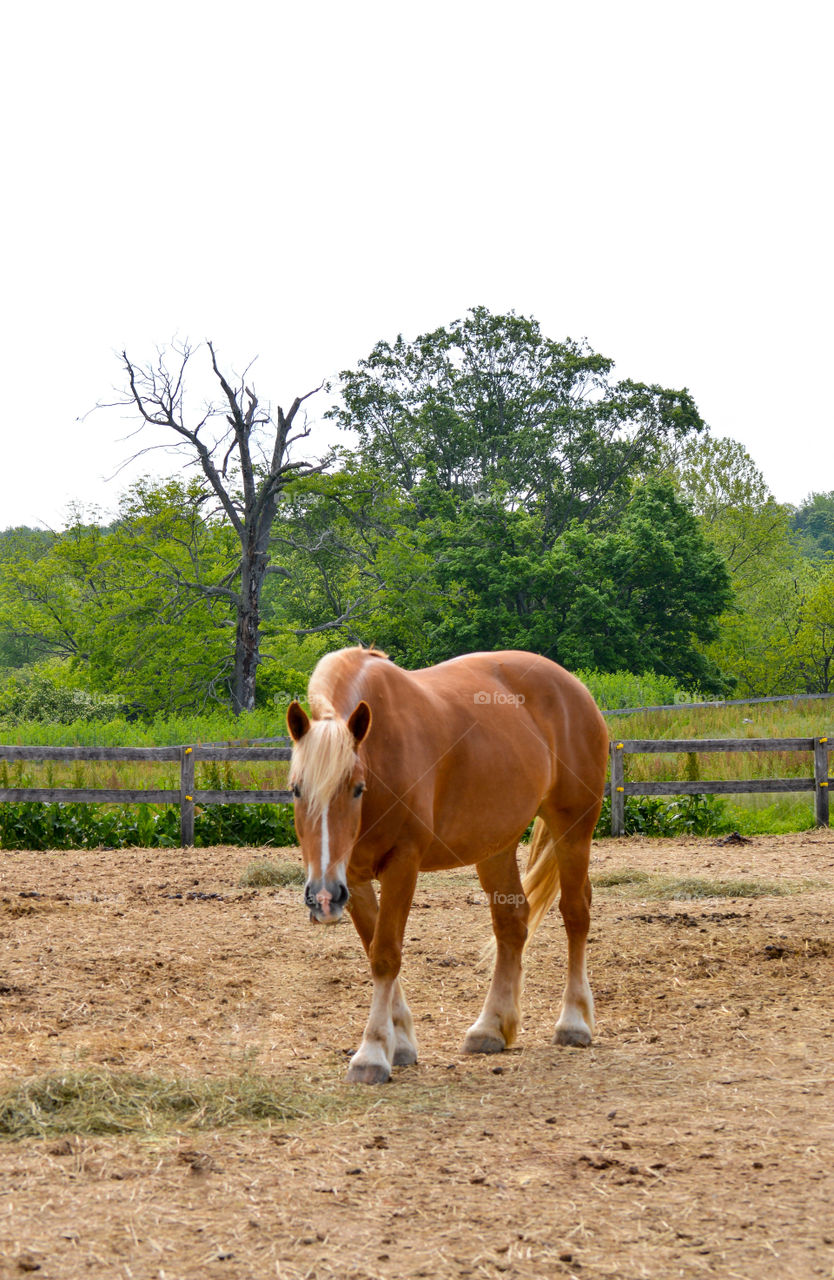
(323, 759)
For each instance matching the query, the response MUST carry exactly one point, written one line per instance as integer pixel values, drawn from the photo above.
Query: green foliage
(814, 522)
(44, 692)
(490, 401)
(717, 476)
(615, 689)
(114, 600)
(696, 815)
(27, 825)
(635, 597)
(778, 634)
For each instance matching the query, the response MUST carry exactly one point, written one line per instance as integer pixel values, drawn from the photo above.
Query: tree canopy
(490, 403)
(496, 489)
(814, 521)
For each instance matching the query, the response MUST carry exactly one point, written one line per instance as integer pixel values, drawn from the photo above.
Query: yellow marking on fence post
(620, 788)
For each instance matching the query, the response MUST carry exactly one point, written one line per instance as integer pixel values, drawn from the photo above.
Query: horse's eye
(296, 791)
(358, 789)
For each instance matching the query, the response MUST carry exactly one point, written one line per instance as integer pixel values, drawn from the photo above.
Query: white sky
(297, 181)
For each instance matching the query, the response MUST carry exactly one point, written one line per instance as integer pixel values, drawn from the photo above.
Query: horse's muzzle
(326, 900)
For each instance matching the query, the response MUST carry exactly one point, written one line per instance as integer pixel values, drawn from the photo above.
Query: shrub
(29, 825)
(698, 815)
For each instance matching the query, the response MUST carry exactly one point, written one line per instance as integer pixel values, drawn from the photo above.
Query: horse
(397, 772)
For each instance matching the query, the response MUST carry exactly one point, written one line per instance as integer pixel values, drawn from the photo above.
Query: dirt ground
(693, 1138)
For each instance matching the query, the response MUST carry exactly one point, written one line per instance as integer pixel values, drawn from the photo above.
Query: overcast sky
(296, 182)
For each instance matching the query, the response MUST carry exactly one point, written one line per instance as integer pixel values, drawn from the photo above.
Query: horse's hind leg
(497, 1025)
(571, 834)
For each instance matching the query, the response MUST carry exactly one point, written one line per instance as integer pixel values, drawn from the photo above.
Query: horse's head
(327, 778)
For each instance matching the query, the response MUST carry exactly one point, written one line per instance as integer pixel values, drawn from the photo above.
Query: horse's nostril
(315, 891)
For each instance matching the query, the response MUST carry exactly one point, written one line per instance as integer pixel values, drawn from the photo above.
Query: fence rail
(186, 798)
(819, 783)
(188, 795)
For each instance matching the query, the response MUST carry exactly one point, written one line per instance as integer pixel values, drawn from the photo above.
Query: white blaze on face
(325, 842)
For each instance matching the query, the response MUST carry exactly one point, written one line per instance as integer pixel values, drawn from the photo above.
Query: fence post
(187, 797)
(617, 790)
(821, 788)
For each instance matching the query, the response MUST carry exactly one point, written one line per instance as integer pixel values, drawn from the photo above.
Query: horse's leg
(572, 834)
(372, 1062)
(364, 912)
(497, 1024)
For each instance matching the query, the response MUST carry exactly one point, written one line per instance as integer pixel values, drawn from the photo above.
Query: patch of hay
(640, 884)
(264, 874)
(105, 1102)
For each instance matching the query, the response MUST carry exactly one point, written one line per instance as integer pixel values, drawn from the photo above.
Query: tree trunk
(247, 636)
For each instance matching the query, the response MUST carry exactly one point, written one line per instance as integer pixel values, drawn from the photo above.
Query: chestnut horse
(399, 772)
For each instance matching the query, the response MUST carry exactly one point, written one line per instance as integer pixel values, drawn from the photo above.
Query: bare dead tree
(244, 453)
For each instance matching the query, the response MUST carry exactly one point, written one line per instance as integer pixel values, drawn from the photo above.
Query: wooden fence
(819, 783)
(187, 756)
(186, 797)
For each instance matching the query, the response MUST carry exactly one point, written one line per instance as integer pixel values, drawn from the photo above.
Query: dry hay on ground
(694, 1138)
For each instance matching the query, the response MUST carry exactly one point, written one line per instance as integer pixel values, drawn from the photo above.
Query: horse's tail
(541, 876)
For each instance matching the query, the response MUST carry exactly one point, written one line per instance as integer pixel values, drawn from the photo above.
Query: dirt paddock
(694, 1138)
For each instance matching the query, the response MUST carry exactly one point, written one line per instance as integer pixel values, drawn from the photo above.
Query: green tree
(21, 543)
(814, 521)
(757, 634)
(640, 596)
(358, 561)
(489, 401)
(244, 453)
(116, 602)
(814, 636)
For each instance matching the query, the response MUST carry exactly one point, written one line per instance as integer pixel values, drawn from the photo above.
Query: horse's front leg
(364, 912)
(389, 1033)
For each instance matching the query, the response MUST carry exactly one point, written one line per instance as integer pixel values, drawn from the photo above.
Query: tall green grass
(167, 731)
(759, 720)
(613, 689)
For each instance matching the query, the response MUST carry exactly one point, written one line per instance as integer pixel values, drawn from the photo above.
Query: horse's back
(529, 708)
(468, 749)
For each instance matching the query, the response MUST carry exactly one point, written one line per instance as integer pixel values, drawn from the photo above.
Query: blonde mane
(324, 758)
(322, 761)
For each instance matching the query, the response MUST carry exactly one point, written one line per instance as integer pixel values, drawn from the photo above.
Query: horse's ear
(360, 722)
(298, 721)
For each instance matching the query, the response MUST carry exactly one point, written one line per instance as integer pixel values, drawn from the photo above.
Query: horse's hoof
(405, 1057)
(480, 1042)
(368, 1073)
(575, 1037)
